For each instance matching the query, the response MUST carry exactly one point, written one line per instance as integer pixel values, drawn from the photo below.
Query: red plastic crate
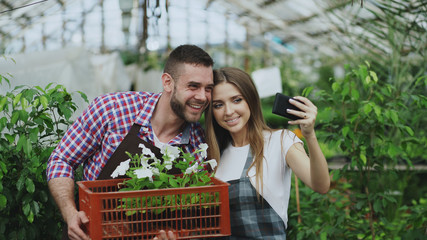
(192, 212)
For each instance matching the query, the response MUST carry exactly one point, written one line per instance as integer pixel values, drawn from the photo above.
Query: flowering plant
(145, 171)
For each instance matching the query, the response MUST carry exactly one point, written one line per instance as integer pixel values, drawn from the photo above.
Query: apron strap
(129, 144)
(248, 163)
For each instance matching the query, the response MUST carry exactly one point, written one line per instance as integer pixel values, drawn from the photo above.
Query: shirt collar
(144, 119)
(144, 116)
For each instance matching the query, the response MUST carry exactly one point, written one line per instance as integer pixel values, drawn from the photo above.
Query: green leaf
(307, 91)
(367, 64)
(3, 102)
(173, 183)
(36, 102)
(360, 236)
(67, 112)
(10, 138)
(205, 179)
(17, 99)
(368, 80)
(24, 103)
(355, 94)
(323, 236)
(393, 150)
(377, 110)
(20, 183)
(3, 123)
(367, 108)
(164, 177)
(3, 167)
(3, 201)
(26, 209)
(15, 117)
(35, 207)
(345, 130)
(409, 130)
(360, 204)
(335, 86)
(48, 86)
(82, 95)
(34, 132)
(363, 158)
(394, 116)
(374, 76)
(23, 116)
(21, 142)
(157, 184)
(345, 91)
(30, 217)
(27, 147)
(44, 101)
(29, 184)
(40, 89)
(377, 206)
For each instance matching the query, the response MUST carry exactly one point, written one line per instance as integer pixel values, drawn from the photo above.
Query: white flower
(203, 150)
(121, 169)
(211, 162)
(143, 173)
(155, 171)
(144, 162)
(146, 151)
(168, 165)
(170, 151)
(192, 169)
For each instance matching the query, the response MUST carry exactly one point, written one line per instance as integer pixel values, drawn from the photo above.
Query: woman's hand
(162, 236)
(308, 115)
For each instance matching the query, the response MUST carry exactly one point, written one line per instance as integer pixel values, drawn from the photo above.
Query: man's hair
(190, 54)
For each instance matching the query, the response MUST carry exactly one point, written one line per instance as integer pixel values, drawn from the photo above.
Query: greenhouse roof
(301, 27)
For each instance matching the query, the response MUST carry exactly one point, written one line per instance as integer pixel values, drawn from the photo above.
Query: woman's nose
(228, 109)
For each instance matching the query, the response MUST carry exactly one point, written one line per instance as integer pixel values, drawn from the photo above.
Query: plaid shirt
(95, 135)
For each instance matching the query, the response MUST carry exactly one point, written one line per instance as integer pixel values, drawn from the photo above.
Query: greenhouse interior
(362, 65)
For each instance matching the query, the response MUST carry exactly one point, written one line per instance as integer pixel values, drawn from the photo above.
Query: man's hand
(76, 226)
(162, 236)
(62, 190)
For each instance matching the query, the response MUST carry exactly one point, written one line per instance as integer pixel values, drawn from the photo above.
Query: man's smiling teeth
(231, 120)
(195, 106)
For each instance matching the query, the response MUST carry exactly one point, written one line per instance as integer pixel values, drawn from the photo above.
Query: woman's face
(230, 109)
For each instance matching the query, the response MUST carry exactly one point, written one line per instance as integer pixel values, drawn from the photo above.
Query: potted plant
(192, 204)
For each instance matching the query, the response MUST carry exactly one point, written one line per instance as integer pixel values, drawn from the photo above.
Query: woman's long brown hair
(218, 138)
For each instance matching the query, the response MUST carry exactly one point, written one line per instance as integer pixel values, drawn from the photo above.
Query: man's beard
(179, 109)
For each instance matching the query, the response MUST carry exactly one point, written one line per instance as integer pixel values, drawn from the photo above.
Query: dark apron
(129, 144)
(251, 218)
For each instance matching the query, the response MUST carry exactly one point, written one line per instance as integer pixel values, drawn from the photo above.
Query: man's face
(192, 92)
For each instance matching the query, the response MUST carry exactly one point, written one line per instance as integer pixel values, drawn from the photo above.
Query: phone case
(281, 103)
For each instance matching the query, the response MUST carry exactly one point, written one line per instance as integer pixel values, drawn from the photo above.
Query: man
(170, 117)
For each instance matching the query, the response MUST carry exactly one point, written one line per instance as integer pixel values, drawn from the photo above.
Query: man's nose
(202, 95)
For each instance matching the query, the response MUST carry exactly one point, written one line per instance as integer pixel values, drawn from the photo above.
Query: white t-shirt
(231, 170)
(276, 172)
(157, 142)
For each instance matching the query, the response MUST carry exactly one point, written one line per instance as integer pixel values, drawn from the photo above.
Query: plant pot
(192, 212)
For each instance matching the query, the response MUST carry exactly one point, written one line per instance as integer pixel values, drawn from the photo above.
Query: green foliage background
(371, 122)
(32, 120)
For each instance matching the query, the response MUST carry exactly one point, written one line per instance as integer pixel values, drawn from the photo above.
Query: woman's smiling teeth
(232, 120)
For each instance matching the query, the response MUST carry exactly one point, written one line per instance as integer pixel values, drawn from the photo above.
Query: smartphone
(281, 103)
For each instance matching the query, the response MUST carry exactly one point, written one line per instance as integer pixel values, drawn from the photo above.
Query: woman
(256, 160)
